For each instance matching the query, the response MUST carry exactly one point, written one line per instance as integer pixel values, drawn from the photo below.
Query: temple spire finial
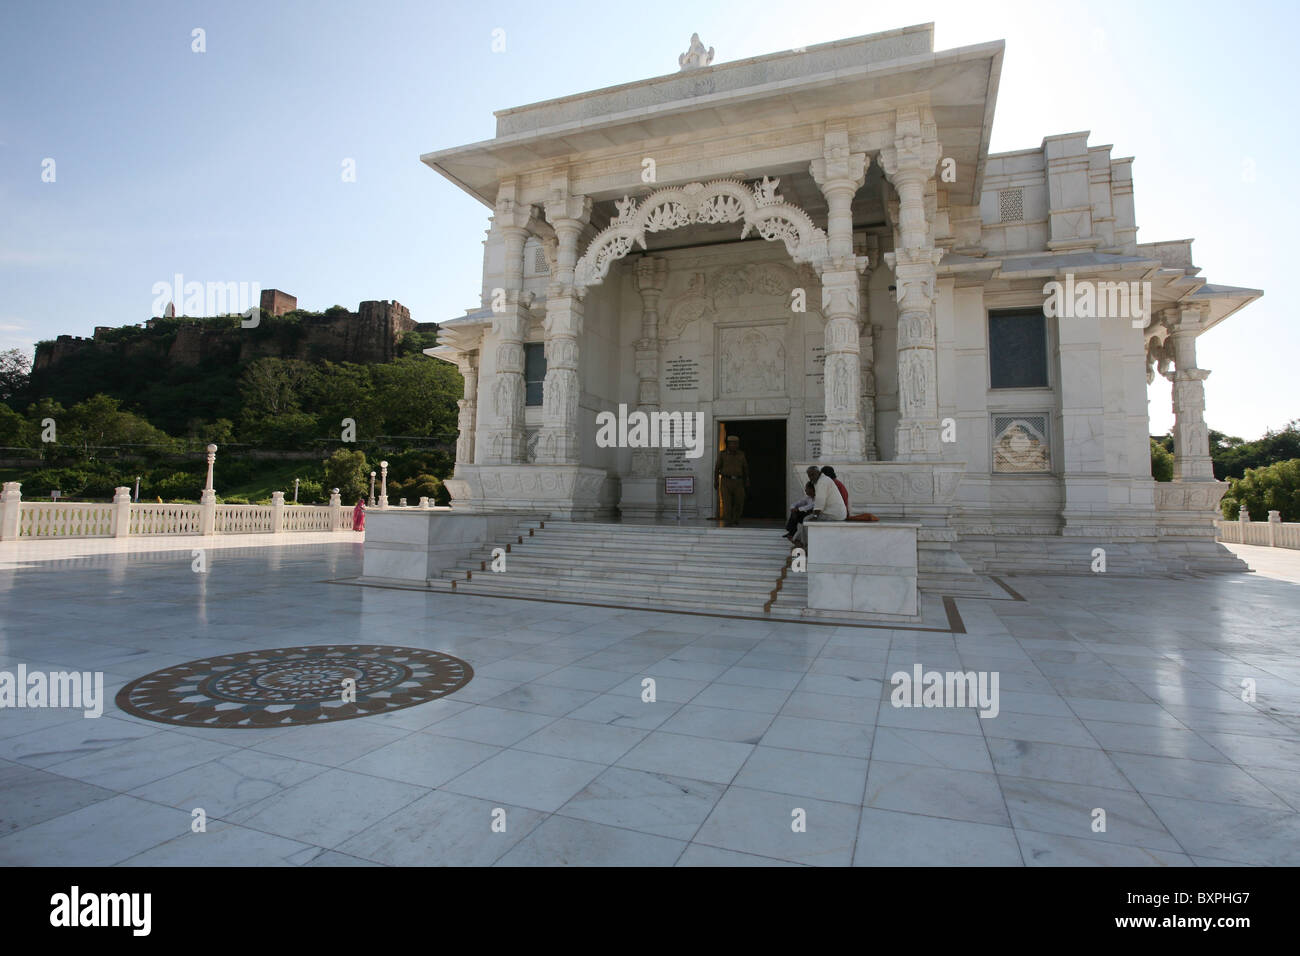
(696, 56)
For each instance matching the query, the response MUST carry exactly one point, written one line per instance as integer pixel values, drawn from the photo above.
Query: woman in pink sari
(359, 515)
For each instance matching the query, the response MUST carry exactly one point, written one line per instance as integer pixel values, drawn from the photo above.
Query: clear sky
(226, 165)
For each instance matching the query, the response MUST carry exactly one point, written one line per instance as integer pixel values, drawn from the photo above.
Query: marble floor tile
(928, 748)
(101, 834)
(697, 854)
(583, 740)
(1057, 762)
(525, 779)
(764, 823)
(1053, 849)
(490, 725)
(696, 720)
(647, 802)
(892, 838)
(819, 736)
(1068, 809)
(624, 710)
(444, 829)
(1250, 835)
(329, 808)
(29, 795)
(564, 841)
(698, 758)
(226, 844)
(804, 774)
(225, 784)
(426, 759)
(936, 791)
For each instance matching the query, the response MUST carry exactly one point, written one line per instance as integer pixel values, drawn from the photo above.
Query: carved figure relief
(751, 361)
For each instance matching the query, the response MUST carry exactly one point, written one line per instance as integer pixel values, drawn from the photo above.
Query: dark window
(1018, 349)
(534, 372)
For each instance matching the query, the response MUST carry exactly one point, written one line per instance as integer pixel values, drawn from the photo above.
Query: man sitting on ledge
(828, 504)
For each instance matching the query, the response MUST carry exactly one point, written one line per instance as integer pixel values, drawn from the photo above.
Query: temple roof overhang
(857, 77)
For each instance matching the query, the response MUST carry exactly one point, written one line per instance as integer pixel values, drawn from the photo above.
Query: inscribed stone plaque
(681, 374)
(813, 435)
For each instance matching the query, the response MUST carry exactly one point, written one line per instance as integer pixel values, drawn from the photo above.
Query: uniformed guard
(732, 476)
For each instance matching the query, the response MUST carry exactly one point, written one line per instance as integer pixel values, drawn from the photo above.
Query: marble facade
(819, 237)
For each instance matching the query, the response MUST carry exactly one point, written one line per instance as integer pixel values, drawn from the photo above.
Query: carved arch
(759, 207)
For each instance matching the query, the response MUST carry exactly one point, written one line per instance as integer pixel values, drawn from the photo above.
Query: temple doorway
(763, 442)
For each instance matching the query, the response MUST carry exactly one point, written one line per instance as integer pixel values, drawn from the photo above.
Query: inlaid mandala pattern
(294, 685)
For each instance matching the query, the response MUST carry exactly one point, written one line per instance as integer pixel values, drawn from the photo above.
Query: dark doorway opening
(763, 442)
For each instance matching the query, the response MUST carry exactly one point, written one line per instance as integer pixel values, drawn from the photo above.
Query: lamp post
(137, 489)
(212, 458)
(372, 488)
(208, 499)
(383, 484)
(295, 491)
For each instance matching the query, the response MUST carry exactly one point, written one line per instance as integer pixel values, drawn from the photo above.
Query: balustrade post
(121, 512)
(11, 503)
(1274, 520)
(208, 499)
(336, 510)
(277, 512)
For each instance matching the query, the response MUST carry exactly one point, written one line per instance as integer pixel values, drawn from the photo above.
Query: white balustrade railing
(121, 518)
(1273, 533)
(165, 519)
(65, 519)
(243, 519)
(310, 518)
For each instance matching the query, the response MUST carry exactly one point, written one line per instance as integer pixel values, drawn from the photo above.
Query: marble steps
(1054, 554)
(730, 571)
(621, 594)
(617, 564)
(584, 552)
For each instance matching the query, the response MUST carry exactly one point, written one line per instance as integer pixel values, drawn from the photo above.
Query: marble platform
(1120, 693)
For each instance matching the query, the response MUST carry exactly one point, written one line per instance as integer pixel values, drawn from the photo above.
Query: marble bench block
(419, 545)
(866, 568)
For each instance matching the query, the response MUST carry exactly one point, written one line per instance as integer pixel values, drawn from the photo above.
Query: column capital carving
(568, 209)
(916, 148)
(511, 215)
(651, 274)
(838, 167)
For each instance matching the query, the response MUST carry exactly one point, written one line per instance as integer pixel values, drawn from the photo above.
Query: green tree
(14, 430)
(1232, 456)
(1162, 463)
(349, 472)
(15, 372)
(1274, 487)
(101, 422)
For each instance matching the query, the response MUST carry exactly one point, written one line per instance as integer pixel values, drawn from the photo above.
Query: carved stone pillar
(840, 174)
(467, 362)
(560, 442)
(910, 164)
(1192, 460)
(867, 353)
(505, 439)
(651, 278)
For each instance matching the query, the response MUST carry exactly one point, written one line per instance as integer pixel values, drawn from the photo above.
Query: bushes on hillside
(1273, 488)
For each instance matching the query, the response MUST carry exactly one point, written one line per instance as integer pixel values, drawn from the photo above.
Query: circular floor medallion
(294, 685)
